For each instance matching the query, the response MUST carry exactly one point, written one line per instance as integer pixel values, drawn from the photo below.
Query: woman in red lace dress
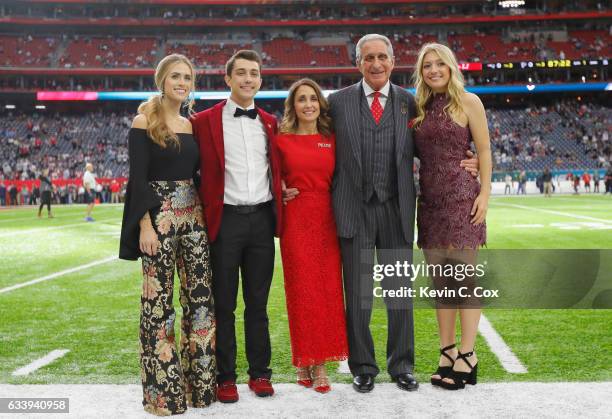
(309, 244)
(453, 205)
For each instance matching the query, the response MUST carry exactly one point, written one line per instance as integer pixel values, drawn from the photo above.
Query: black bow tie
(251, 113)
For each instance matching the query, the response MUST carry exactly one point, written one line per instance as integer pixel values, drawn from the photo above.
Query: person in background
(46, 189)
(89, 190)
(2, 194)
(508, 181)
(576, 180)
(608, 181)
(13, 193)
(115, 188)
(547, 181)
(25, 194)
(596, 179)
(586, 178)
(522, 182)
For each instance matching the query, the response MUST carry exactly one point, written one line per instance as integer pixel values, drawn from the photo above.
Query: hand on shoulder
(140, 121)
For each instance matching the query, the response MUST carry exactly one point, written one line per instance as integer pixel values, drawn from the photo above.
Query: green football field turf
(94, 312)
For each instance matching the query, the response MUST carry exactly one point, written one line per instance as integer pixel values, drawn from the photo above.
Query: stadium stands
(74, 48)
(116, 52)
(27, 51)
(63, 143)
(80, 51)
(288, 52)
(570, 135)
(209, 55)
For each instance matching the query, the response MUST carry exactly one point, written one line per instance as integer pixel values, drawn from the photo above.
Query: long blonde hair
(289, 123)
(455, 87)
(157, 129)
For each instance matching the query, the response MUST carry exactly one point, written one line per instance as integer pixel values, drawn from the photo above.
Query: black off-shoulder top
(150, 162)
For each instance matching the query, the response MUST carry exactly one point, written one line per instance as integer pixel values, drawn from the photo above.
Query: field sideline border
(513, 399)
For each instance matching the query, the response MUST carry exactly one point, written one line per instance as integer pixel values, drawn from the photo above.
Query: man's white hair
(372, 37)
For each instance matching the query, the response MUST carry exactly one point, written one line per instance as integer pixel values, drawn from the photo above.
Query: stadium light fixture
(41, 107)
(9, 106)
(511, 3)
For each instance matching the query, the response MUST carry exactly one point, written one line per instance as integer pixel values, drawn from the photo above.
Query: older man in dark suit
(374, 204)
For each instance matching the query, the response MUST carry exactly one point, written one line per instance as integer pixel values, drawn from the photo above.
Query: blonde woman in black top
(163, 224)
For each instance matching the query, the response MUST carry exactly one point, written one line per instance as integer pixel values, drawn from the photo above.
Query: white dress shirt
(247, 168)
(384, 93)
(89, 181)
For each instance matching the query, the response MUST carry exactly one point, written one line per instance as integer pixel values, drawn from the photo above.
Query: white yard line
(565, 214)
(499, 348)
(579, 199)
(45, 229)
(30, 217)
(58, 274)
(41, 362)
(33, 218)
(495, 400)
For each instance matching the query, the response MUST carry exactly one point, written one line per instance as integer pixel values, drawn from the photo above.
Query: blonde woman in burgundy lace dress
(453, 205)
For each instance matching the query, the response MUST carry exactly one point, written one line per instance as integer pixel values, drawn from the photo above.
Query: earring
(187, 100)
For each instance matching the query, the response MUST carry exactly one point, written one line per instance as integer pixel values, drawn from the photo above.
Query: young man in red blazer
(241, 194)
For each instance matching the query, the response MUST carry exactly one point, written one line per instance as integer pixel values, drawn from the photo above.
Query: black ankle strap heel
(460, 378)
(443, 371)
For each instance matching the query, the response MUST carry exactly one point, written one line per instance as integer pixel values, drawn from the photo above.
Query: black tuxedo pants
(243, 248)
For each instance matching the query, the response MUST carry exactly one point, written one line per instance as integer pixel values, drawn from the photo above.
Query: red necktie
(376, 108)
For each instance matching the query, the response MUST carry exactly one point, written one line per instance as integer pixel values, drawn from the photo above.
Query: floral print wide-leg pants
(171, 381)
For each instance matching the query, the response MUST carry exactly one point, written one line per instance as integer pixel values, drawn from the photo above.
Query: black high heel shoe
(460, 378)
(443, 371)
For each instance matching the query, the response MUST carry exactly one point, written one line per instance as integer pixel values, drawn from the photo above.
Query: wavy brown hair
(289, 123)
(157, 129)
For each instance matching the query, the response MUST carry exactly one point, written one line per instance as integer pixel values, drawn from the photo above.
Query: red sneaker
(261, 386)
(227, 392)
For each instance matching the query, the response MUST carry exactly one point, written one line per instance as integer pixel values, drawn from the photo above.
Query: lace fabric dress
(311, 253)
(448, 191)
